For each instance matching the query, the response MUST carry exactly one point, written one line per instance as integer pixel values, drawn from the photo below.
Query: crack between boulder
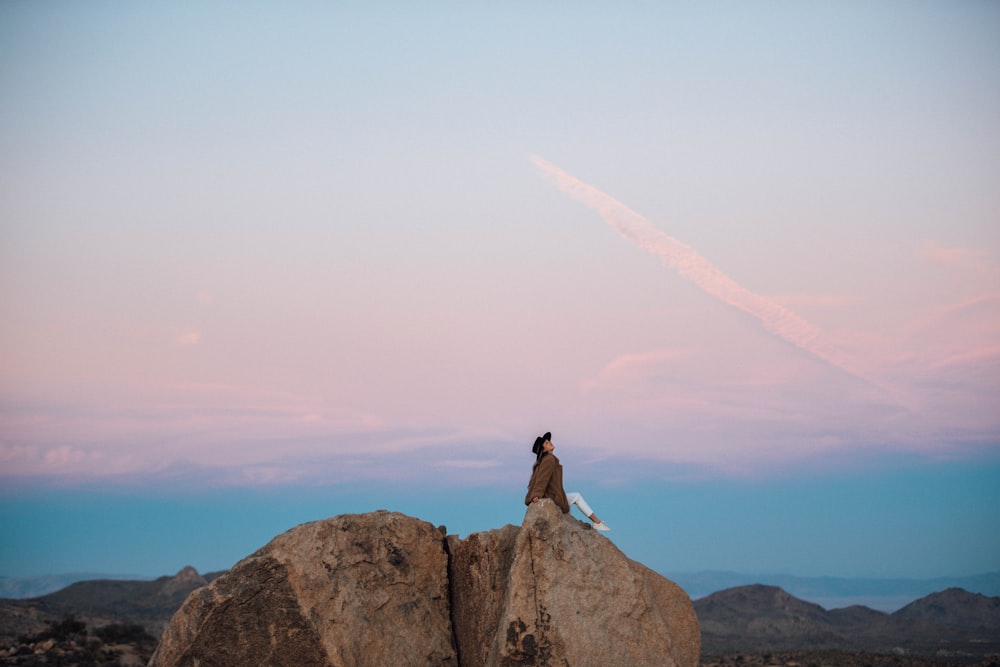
(451, 599)
(534, 590)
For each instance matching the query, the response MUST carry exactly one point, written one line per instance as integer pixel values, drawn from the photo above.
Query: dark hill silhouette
(764, 612)
(756, 618)
(856, 617)
(838, 592)
(20, 588)
(100, 601)
(954, 607)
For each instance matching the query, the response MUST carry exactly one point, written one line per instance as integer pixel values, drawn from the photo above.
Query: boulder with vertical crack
(386, 589)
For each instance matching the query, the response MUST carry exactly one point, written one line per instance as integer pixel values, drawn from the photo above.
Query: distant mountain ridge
(149, 603)
(883, 594)
(951, 623)
(886, 594)
(17, 588)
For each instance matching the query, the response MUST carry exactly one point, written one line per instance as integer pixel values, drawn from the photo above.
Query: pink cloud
(629, 367)
(67, 456)
(968, 329)
(188, 338)
(258, 436)
(971, 260)
(939, 254)
(13, 454)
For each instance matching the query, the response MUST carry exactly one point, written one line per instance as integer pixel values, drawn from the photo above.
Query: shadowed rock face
(386, 589)
(265, 623)
(479, 571)
(351, 590)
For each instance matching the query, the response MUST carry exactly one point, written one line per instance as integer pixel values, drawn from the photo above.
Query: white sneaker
(601, 526)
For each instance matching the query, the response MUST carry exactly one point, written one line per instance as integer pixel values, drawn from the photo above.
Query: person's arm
(542, 477)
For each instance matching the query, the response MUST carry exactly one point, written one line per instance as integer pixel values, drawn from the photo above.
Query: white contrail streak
(686, 261)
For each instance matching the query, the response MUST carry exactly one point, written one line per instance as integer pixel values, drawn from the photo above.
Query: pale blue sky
(248, 249)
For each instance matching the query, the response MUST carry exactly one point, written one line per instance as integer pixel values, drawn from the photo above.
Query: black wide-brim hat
(539, 441)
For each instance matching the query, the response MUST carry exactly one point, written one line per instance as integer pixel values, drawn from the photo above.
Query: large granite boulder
(572, 598)
(386, 589)
(369, 589)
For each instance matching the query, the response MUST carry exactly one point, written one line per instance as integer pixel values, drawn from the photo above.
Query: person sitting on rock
(546, 482)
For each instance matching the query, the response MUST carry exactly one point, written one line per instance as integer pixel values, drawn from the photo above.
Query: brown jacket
(546, 482)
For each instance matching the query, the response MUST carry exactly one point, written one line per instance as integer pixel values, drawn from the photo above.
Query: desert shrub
(124, 633)
(64, 630)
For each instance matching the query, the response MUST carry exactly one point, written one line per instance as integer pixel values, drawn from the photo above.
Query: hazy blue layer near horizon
(887, 595)
(806, 525)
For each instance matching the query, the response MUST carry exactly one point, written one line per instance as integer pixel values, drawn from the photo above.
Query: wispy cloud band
(695, 268)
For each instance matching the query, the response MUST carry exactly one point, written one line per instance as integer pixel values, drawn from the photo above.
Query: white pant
(575, 498)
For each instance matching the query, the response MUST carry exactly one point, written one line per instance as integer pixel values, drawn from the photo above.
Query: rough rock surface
(574, 599)
(366, 589)
(386, 589)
